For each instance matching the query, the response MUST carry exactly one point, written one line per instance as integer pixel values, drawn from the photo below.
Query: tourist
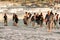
(46, 18)
(55, 19)
(37, 19)
(16, 20)
(29, 17)
(48, 21)
(52, 20)
(25, 19)
(41, 19)
(5, 19)
(33, 19)
(59, 20)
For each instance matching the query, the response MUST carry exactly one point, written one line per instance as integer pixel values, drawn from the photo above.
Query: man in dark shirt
(16, 20)
(48, 21)
(41, 19)
(38, 19)
(33, 19)
(5, 19)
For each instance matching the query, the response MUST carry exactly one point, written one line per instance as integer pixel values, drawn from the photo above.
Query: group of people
(35, 18)
(50, 19)
(15, 19)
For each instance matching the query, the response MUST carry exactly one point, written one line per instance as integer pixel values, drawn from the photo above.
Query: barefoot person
(25, 19)
(51, 20)
(55, 19)
(33, 19)
(29, 17)
(37, 19)
(48, 21)
(41, 19)
(5, 19)
(16, 20)
(59, 20)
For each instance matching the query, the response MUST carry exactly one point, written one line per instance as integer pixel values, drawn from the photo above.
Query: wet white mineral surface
(28, 33)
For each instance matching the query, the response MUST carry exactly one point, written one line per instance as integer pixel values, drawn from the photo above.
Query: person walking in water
(55, 19)
(41, 19)
(33, 19)
(16, 20)
(48, 21)
(5, 19)
(59, 20)
(25, 19)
